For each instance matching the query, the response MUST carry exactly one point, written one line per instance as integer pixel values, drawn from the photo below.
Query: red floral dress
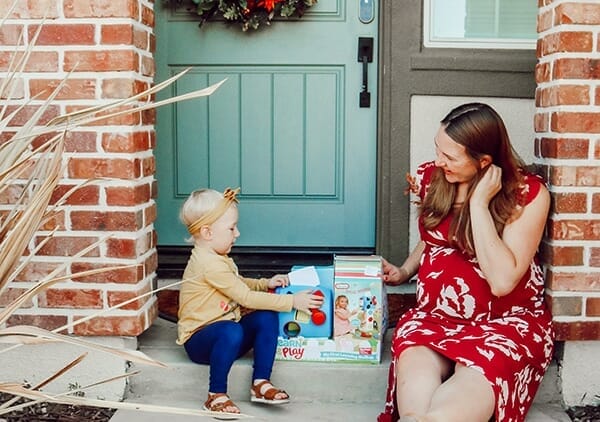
(508, 339)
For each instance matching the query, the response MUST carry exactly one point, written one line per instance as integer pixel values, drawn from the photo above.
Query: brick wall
(567, 122)
(109, 47)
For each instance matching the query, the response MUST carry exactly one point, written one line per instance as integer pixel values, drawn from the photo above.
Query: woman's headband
(229, 197)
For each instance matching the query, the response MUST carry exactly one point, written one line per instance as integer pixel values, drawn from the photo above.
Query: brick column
(567, 122)
(109, 45)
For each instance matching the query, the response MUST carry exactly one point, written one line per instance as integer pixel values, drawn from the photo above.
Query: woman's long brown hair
(481, 131)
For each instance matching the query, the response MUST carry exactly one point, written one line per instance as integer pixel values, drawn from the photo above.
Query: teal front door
(286, 126)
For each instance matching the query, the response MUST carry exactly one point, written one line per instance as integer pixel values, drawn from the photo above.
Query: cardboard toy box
(359, 295)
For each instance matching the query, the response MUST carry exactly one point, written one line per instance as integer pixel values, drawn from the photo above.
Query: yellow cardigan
(213, 291)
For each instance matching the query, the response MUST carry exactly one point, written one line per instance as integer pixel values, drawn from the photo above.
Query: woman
(480, 338)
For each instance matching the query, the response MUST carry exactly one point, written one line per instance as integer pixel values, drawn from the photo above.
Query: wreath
(250, 14)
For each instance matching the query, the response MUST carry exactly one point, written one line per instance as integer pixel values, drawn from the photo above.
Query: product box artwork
(350, 325)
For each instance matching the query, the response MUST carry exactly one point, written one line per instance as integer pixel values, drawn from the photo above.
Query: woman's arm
(394, 275)
(505, 259)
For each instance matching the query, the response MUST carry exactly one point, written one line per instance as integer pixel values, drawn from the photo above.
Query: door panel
(285, 127)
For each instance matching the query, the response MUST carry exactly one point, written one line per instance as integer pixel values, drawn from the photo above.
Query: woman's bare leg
(465, 396)
(419, 373)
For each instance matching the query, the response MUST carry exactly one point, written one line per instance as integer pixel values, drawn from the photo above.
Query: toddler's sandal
(265, 392)
(217, 403)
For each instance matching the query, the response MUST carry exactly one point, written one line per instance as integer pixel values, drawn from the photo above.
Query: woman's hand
(306, 300)
(487, 187)
(278, 280)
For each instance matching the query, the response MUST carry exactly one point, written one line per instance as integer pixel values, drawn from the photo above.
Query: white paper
(306, 276)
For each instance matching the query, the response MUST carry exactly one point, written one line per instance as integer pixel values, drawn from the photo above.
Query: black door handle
(365, 56)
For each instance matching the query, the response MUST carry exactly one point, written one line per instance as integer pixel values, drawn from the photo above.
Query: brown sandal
(217, 403)
(268, 397)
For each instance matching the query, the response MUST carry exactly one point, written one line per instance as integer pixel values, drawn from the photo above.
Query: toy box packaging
(353, 320)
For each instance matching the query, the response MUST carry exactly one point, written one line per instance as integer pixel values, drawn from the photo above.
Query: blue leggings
(221, 343)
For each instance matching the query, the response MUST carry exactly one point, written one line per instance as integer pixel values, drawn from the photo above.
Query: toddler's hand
(278, 280)
(392, 274)
(306, 300)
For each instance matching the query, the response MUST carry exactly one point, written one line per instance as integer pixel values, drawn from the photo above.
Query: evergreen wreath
(250, 14)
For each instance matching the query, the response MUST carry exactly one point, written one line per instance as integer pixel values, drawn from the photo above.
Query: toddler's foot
(221, 403)
(263, 391)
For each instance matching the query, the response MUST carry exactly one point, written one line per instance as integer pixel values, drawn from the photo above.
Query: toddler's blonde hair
(199, 203)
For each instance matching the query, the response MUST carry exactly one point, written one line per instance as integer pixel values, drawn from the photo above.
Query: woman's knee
(424, 358)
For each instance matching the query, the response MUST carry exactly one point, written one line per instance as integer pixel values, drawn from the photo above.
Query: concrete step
(319, 391)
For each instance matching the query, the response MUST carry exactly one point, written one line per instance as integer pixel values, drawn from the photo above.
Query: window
(509, 24)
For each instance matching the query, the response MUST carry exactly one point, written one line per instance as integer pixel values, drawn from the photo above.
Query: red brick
(117, 34)
(595, 257)
(577, 13)
(148, 67)
(592, 306)
(565, 148)
(563, 255)
(123, 274)
(29, 9)
(39, 61)
(11, 193)
(570, 229)
(101, 61)
(106, 221)
(126, 142)
(573, 282)
(149, 117)
(148, 166)
(566, 306)
(127, 195)
(561, 42)
(71, 298)
(88, 168)
(542, 72)
(48, 322)
(572, 202)
(568, 95)
(576, 68)
(544, 21)
(597, 96)
(54, 221)
(149, 214)
(74, 89)
(129, 117)
(141, 39)
(81, 142)
(118, 88)
(578, 330)
(10, 34)
(101, 9)
(67, 246)
(121, 248)
(574, 176)
(15, 89)
(36, 271)
(25, 114)
(576, 122)
(147, 16)
(69, 34)
(596, 203)
(117, 297)
(541, 122)
(112, 325)
(84, 195)
(10, 294)
(151, 264)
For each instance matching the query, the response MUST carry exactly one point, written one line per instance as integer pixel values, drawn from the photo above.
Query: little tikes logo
(291, 349)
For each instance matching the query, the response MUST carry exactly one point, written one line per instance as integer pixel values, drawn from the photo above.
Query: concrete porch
(320, 392)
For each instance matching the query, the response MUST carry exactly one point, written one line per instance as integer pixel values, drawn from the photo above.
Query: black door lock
(365, 56)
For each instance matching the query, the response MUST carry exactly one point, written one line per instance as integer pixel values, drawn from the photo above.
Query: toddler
(210, 326)
(341, 317)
